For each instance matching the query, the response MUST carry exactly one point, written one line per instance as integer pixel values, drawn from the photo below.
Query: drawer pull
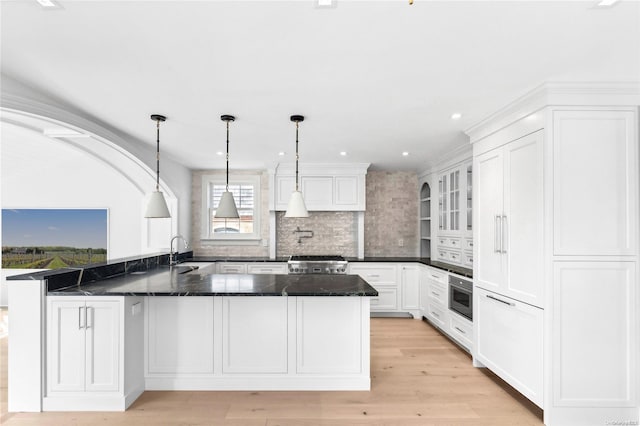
(373, 276)
(500, 300)
(435, 294)
(435, 276)
(435, 314)
(460, 330)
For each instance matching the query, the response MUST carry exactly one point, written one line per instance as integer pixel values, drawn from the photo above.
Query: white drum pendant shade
(296, 206)
(227, 208)
(157, 206)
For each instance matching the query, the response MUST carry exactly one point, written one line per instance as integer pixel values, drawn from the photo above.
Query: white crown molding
(557, 94)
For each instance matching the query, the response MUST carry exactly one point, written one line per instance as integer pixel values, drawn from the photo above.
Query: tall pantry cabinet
(556, 247)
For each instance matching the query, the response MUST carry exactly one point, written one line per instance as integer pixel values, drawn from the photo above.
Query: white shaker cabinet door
(65, 346)
(488, 208)
(522, 221)
(594, 182)
(102, 346)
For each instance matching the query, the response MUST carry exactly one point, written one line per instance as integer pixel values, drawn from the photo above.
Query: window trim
(205, 210)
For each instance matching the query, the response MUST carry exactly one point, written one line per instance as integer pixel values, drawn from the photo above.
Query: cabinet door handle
(80, 324)
(503, 243)
(496, 248)
(460, 330)
(86, 317)
(500, 300)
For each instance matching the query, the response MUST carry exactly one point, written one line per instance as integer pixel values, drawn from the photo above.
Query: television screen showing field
(53, 238)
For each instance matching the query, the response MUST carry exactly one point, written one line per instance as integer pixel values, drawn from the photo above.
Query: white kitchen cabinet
(325, 187)
(410, 283)
(92, 343)
(384, 278)
(509, 341)
(83, 345)
(454, 213)
(262, 346)
(595, 182)
(278, 268)
(509, 211)
(231, 268)
(179, 335)
(424, 290)
(437, 297)
(461, 330)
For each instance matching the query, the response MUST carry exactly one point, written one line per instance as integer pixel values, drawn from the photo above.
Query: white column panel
(255, 334)
(595, 357)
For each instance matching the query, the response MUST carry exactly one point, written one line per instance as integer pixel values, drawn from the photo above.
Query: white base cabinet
(509, 341)
(257, 343)
(86, 356)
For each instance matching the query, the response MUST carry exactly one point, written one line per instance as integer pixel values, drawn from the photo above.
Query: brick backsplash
(392, 214)
(333, 233)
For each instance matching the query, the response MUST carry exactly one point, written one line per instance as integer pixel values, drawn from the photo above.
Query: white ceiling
(372, 78)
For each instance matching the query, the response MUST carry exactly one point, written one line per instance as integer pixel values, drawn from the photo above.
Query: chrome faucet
(173, 257)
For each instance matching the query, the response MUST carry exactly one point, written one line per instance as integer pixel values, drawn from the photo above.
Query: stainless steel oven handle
(500, 300)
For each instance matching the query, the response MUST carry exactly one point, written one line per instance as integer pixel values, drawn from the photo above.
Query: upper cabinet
(325, 187)
(454, 201)
(594, 185)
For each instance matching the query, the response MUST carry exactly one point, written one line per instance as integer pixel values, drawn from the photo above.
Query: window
(246, 193)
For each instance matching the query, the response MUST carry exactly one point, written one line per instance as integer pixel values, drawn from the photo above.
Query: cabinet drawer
(381, 273)
(232, 268)
(437, 276)
(468, 244)
(449, 242)
(387, 299)
(467, 260)
(461, 330)
(437, 294)
(267, 268)
(455, 257)
(437, 315)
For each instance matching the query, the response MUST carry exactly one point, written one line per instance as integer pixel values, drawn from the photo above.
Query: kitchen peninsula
(96, 338)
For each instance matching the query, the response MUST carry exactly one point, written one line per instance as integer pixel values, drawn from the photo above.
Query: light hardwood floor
(418, 378)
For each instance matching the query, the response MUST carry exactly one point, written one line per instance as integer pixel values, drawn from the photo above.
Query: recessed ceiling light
(456, 116)
(281, 153)
(405, 153)
(49, 4)
(219, 153)
(343, 153)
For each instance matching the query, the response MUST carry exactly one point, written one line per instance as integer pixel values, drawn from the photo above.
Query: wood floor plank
(419, 378)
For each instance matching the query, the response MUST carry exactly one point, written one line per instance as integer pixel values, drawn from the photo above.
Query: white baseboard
(259, 383)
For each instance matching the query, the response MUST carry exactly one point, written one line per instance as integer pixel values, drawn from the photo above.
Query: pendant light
(296, 207)
(157, 206)
(227, 206)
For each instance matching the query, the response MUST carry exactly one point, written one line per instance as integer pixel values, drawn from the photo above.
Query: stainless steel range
(317, 265)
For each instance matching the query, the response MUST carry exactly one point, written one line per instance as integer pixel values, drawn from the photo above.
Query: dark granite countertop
(458, 270)
(176, 281)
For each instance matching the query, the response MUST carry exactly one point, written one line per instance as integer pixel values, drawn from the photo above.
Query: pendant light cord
(227, 156)
(157, 155)
(297, 157)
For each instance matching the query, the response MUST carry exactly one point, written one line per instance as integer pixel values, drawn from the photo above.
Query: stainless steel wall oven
(461, 297)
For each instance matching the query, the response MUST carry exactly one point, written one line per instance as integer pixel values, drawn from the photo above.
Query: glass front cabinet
(454, 243)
